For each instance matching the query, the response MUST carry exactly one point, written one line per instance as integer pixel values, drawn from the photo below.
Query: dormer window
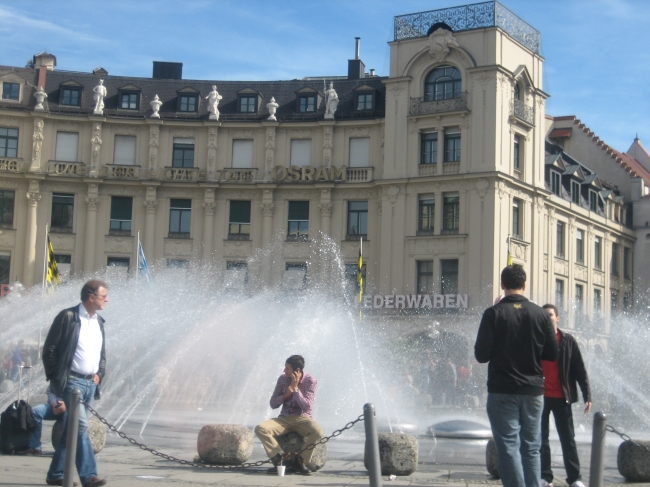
(10, 91)
(575, 192)
(247, 103)
(365, 101)
(556, 185)
(517, 92)
(130, 100)
(307, 103)
(187, 103)
(70, 96)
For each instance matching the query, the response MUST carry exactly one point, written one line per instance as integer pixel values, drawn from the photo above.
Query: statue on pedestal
(331, 102)
(155, 106)
(272, 106)
(40, 96)
(100, 93)
(213, 103)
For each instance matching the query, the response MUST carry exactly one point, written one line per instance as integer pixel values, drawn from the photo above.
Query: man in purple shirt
(295, 392)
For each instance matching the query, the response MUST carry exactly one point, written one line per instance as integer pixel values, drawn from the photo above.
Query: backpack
(16, 423)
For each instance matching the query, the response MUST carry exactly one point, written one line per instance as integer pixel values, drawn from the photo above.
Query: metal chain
(625, 437)
(172, 458)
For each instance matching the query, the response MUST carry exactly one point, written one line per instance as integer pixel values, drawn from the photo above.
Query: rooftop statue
(272, 106)
(155, 106)
(331, 102)
(213, 103)
(100, 93)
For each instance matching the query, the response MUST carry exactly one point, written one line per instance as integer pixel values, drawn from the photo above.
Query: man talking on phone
(294, 391)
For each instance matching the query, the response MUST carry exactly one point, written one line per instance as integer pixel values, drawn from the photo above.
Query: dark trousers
(564, 424)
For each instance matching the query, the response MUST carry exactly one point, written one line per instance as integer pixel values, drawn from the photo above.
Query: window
(62, 212)
(580, 247)
(364, 101)
(517, 92)
(360, 152)
(451, 211)
(8, 142)
(298, 220)
(301, 152)
(10, 91)
(597, 302)
(426, 213)
(627, 301)
(575, 192)
(429, 144)
(452, 147)
(425, 276)
(615, 252)
(627, 263)
(295, 276)
(183, 153)
(516, 153)
(516, 218)
(236, 277)
(559, 294)
(242, 153)
(248, 104)
(5, 267)
(598, 253)
(67, 144)
(180, 217)
(121, 215)
(579, 300)
(71, 96)
(305, 104)
(239, 223)
(118, 262)
(556, 186)
(358, 218)
(559, 244)
(63, 265)
(449, 276)
(187, 103)
(614, 299)
(7, 208)
(593, 201)
(443, 83)
(124, 150)
(178, 264)
(130, 101)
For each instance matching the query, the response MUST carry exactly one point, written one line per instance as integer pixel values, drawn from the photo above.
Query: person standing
(514, 336)
(295, 392)
(560, 392)
(74, 357)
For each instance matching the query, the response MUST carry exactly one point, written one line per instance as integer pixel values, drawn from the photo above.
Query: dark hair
(92, 287)
(296, 362)
(553, 307)
(513, 277)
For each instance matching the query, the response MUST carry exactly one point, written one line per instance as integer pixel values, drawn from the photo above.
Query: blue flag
(143, 268)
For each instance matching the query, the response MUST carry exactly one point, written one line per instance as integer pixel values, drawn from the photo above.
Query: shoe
(276, 460)
(57, 482)
(30, 452)
(95, 482)
(577, 483)
(299, 466)
(544, 483)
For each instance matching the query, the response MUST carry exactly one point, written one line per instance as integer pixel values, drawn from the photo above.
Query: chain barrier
(172, 458)
(625, 437)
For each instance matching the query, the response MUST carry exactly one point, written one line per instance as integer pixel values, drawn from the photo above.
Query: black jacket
(514, 336)
(572, 369)
(60, 346)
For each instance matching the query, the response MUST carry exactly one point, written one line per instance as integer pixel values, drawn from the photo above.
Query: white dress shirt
(89, 348)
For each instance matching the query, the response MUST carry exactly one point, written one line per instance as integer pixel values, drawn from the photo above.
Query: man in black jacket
(74, 357)
(560, 392)
(514, 336)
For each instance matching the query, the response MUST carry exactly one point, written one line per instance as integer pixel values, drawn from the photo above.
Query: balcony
(359, 174)
(183, 174)
(450, 167)
(521, 111)
(57, 168)
(115, 171)
(11, 165)
(427, 170)
(421, 106)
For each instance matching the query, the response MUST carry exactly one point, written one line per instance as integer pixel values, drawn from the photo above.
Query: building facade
(442, 167)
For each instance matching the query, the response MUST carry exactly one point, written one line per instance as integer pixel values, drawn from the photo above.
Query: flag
(360, 282)
(52, 277)
(143, 268)
(509, 260)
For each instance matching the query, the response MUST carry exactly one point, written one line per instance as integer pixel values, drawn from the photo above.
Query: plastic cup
(281, 470)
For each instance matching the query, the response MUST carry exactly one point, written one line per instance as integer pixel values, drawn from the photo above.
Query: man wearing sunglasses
(74, 357)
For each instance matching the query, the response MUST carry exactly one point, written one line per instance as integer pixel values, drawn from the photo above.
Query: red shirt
(552, 383)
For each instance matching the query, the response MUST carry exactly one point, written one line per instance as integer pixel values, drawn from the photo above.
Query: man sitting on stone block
(294, 391)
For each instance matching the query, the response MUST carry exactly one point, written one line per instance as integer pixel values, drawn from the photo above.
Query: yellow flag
(360, 282)
(509, 260)
(52, 278)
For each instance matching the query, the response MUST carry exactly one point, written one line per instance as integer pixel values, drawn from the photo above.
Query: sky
(597, 52)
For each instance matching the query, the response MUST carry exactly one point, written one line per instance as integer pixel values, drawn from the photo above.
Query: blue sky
(597, 52)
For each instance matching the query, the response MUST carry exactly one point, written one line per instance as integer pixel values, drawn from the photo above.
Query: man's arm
(276, 398)
(485, 337)
(304, 396)
(99, 376)
(51, 346)
(579, 371)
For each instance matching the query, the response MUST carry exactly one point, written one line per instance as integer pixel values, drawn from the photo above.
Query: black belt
(81, 376)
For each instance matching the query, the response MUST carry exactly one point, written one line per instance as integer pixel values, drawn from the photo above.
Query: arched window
(517, 95)
(442, 83)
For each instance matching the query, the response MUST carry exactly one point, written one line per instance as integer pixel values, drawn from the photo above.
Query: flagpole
(137, 258)
(45, 258)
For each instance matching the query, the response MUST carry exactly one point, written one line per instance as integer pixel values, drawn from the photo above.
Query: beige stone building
(440, 167)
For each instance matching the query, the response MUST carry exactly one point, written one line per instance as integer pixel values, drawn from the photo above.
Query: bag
(16, 423)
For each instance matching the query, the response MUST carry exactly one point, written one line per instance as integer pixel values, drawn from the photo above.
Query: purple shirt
(300, 402)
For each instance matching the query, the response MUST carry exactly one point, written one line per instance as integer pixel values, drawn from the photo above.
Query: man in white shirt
(74, 357)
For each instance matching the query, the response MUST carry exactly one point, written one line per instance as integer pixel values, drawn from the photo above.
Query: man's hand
(587, 407)
(96, 379)
(58, 408)
(295, 380)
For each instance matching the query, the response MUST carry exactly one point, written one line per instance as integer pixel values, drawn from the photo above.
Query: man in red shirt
(560, 392)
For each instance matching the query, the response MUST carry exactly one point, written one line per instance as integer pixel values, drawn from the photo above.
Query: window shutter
(242, 153)
(240, 212)
(301, 152)
(121, 207)
(124, 150)
(299, 210)
(360, 152)
(66, 146)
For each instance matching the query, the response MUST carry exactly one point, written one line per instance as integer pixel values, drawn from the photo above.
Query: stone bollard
(492, 459)
(634, 461)
(96, 430)
(292, 442)
(6, 386)
(398, 454)
(225, 444)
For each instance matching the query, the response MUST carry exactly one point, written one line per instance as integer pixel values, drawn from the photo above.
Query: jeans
(564, 424)
(515, 421)
(41, 412)
(85, 458)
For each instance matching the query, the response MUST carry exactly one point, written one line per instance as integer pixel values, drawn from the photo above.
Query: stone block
(292, 442)
(634, 461)
(492, 459)
(6, 386)
(96, 431)
(225, 444)
(398, 454)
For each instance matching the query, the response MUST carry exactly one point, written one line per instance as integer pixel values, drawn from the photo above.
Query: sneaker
(299, 466)
(577, 483)
(276, 460)
(544, 483)
(95, 482)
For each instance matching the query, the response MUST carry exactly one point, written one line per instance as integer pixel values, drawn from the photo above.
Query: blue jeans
(516, 427)
(41, 412)
(85, 459)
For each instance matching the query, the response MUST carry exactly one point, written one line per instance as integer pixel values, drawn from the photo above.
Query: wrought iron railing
(467, 17)
(422, 106)
(519, 109)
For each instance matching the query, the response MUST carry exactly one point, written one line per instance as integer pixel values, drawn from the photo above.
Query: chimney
(372, 72)
(167, 70)
(46, 60)
(356, 68)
